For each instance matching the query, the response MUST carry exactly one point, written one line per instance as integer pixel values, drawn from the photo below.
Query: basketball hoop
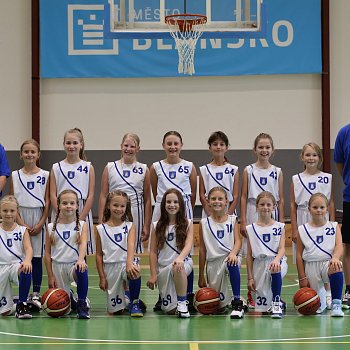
(186, 29)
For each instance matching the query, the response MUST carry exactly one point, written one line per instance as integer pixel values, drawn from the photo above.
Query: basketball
(306, 301)
(207, 301)
(56, 302)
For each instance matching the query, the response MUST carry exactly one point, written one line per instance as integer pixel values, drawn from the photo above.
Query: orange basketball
(306, 301)
(56, 302)
(207, 301)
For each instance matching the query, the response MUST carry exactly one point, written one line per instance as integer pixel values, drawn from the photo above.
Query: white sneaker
(337, 308)
(182, 309)
(276, 308)
(237, 309)
(321, 309)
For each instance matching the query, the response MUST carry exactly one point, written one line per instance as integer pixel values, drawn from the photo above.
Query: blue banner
(74, 44)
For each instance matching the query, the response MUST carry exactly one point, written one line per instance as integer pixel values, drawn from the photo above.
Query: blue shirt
(342, 155)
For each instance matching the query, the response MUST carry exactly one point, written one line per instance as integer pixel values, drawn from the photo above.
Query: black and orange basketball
(56, 302)
(207, 301)
(306, 301)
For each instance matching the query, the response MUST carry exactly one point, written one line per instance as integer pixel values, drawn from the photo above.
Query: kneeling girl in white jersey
(266, 262)
(115, 247)
(220, 243)
(65, 250)
(319, 249)
(15, 260)
(170, 261)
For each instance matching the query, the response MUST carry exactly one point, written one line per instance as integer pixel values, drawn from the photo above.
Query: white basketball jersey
(11, 245)
(306, 185)
(319, 242)
(65, 249)
(114, 241)
(260, 180)
(173, 176)
(265, 240)
(223, 176)
(29, 189)
(73, 177)
(218, 236)
(169, 252)
(128, 178)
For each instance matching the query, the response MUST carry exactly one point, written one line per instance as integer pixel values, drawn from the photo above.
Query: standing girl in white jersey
(304, 185)
(30, 187)
(131, 177)
(219, 247)
(219, 172)
(65, 250)
(266, 262)
(115, 248)
(15, 260)
(170, 261)
(319, 250)
(258, 177)
(76, 174)
(174, 172)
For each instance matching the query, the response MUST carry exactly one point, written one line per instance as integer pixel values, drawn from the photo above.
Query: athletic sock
(82, 284)
(276, 285)
(37, 274)
(336, 281)
(235, 280)
(25, 280)
(134, 287)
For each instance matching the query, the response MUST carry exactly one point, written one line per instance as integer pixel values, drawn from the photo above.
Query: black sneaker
(190, 299)
(346, 300)
(22, 310)
(34, 303)
(73, 301)
(142, 306)
(158, 305)
(237, 309)
(82, 310)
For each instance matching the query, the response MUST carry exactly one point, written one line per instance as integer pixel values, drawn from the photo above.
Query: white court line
(177, 341)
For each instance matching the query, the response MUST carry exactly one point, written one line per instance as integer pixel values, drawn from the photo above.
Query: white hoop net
(186, 30)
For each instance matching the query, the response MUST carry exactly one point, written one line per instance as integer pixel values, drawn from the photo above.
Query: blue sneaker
(135, 310)
(82, 310)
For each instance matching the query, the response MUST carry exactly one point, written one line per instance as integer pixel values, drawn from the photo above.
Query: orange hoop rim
(186, 19)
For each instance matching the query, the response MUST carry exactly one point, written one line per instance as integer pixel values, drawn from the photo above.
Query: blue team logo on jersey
(126, 173)
(263, 181)
(319, 239)
(71, 174)
(9, 242)
(220, 234)
(30, 185)
(219, 176)
(171, 236)
(66, 234)
(312, 185)
(118, 237)
(266, 237)
(172, 174)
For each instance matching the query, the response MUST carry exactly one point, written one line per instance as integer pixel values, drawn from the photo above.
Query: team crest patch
(30, 185)
(71, 174)
(312, 185)
(172, 174)
(263, 181)
(219, 176)
(266, 237)
(170, 236)
(118, 237)
(220, 233)
(9, 242)
(126, 173)
(319, 239)
(66, 234)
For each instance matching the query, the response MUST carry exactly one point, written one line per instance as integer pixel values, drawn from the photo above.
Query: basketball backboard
(146, 18)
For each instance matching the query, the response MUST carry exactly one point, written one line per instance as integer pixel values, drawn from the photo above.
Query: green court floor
(158, 331)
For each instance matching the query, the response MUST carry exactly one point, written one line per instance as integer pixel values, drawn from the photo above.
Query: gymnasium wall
(288, 107)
